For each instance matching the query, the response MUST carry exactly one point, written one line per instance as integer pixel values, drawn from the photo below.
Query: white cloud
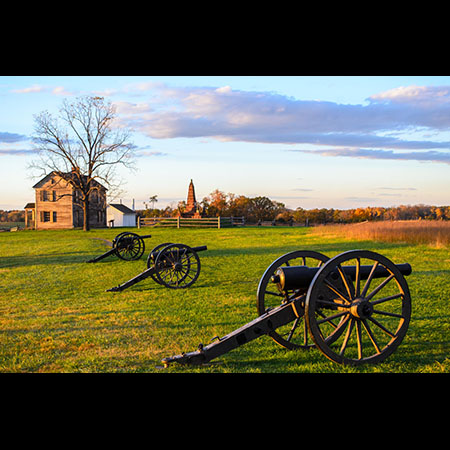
(233, 115)
(105, 92)
(420, 96)
(224, 90)
(60, 90)
(428, 156)
(36, 88)
(281, 115)
(400, 93)
(142, 153)
(30, 89)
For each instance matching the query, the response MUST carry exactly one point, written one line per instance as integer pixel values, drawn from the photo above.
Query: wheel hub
(361, 308)
(177, 267)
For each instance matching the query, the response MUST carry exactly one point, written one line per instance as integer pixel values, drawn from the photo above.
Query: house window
(44, 196)
(54, 216)
(77, 196)
(45, 216)
(54, 196)
(78, 218)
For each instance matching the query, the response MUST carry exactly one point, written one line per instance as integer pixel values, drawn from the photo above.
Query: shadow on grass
(76, 257)
(55, 258)
(332, 248)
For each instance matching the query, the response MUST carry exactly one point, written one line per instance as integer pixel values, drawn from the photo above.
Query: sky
(306, 141)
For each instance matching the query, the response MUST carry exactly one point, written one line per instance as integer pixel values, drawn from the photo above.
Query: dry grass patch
(433, 233)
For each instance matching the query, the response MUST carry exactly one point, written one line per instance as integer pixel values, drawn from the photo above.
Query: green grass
(55, 315)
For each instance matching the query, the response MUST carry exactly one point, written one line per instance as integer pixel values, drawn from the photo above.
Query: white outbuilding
(118, 215)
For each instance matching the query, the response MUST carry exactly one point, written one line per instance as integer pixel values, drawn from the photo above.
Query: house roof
(29, 206)
(122, 208)
(53, 173)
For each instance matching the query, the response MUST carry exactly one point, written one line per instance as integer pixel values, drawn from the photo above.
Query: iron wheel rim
(174, 265)
(366, 330)
(297, 336)
(130, 246)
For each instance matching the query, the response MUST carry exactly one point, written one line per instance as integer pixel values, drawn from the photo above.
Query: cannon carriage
(127, 246)
(305, 299)
(175, 266)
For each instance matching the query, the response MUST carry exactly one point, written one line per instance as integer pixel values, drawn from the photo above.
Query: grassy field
(56, 316)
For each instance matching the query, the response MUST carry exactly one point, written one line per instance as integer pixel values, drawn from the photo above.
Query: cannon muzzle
(300, 277)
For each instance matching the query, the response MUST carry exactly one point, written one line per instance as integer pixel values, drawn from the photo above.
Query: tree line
(12, 216)
(256, 209)
(261, 208)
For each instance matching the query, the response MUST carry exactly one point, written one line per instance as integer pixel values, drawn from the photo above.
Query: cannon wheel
(130, 246)
(293, 335)
(117, 237)
(177, 266)
(373, 316)
(151, 259)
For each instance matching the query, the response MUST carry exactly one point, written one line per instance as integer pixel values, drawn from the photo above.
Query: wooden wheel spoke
(278, 294)
(336, 291)
(378, 324)
(369, 279)
(294, 326)
(380, 286)
(332, 303)
(371, 336)
(345, 281)
(347, 336)
(359, 338)
(386, 299)
(357, 277)
(330, 318)
(305, 333)
(386, 313)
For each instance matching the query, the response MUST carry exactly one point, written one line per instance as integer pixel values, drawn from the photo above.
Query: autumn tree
(262, 208)
(84, 146)
(217, 203)
(238, 205)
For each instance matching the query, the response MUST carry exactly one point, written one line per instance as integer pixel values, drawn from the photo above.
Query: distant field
(8, 225)
(55, 315)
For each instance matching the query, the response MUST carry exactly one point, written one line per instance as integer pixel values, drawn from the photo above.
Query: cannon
(127, 246)
(176, 266)
(305, 299)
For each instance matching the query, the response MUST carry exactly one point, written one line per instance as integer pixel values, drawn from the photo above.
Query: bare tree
(83, 146)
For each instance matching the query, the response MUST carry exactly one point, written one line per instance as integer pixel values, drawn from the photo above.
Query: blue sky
(312, 142)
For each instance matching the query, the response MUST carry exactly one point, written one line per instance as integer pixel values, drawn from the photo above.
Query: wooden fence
(178, 222)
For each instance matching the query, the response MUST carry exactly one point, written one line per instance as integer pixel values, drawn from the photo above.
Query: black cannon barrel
(300, 277)
(201, 248)
(124, 239)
